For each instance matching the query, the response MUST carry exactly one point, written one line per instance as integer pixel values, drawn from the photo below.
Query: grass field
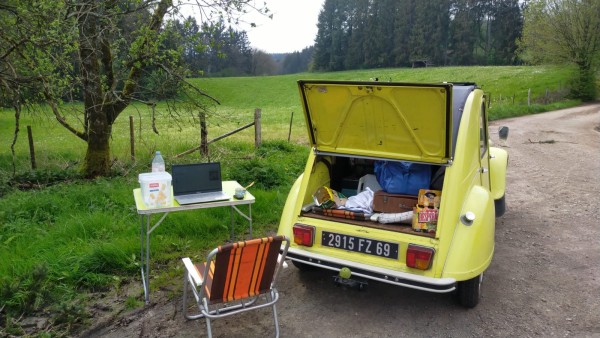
(60, 242)
(277, 97)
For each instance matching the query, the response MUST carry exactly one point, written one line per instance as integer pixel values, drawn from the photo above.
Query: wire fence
(135, 138)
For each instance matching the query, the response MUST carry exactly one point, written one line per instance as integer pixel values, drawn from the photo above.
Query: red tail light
(419, 257)
(304, 234)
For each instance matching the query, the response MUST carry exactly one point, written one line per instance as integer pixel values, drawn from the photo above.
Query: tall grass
(62, 238)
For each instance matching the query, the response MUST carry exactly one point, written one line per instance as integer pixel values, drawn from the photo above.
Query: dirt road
(544, 279)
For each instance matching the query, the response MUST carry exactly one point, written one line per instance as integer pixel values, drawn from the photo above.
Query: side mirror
(503, 133)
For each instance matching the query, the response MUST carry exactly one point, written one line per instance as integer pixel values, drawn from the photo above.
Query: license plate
(360, 244)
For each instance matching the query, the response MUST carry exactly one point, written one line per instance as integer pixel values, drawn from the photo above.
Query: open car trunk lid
(399, 121)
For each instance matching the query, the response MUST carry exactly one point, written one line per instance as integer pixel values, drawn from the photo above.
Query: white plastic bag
(361, 202)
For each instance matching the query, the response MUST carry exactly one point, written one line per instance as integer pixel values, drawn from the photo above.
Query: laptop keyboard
(198, 198)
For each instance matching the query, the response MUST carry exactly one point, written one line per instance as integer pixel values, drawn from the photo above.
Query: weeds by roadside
(65, 240)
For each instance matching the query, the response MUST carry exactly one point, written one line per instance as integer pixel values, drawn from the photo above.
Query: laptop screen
(196, 177)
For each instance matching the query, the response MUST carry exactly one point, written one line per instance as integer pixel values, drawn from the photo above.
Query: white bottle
(158, 163)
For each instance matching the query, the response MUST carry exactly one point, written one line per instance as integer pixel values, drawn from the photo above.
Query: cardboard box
(393, 203)
(156, 189)
(425, 219)
(430, 198)
(425, 214)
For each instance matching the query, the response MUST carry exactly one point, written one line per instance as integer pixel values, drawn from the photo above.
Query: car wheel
(303, 266)
(500, 205)
(469, 291)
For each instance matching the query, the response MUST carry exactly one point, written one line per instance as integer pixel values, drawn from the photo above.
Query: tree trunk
(585, 87)
(97, 157)
(95, 123)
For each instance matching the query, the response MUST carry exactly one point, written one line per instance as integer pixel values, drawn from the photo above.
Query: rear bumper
(437, 285)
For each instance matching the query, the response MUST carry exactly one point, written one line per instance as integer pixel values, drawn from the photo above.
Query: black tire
(303, 266)
(469, 292)
(500, 205)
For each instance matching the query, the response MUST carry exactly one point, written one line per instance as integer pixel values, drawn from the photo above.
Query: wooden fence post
(31, 150)
(529, 97)
(290, 132)
(203, 135)
(257, 129)
(131, 138)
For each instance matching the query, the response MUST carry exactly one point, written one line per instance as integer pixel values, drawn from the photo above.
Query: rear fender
(316, 174)
(498, 166)
(290, 210)
(472, 245)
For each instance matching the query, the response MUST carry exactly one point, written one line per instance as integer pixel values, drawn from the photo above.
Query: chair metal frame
(259, 256)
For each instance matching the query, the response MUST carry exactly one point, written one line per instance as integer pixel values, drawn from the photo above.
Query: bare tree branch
(59, 117)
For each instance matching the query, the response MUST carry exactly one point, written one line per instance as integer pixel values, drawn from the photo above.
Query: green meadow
(64, 239)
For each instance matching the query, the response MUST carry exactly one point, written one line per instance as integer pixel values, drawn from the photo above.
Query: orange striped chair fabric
(241, 270)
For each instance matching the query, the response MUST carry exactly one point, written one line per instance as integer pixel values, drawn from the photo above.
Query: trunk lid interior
(397, 121)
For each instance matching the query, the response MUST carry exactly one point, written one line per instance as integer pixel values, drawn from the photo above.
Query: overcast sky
(293, 27)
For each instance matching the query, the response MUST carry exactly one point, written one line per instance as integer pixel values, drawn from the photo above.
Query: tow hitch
(343, 279)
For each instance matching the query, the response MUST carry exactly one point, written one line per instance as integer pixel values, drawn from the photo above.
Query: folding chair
(236, 277)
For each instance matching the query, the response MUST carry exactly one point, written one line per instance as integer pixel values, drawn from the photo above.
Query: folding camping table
(146, 228)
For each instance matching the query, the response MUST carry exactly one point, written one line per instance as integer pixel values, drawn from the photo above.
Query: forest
(388, 33)
(360, 34)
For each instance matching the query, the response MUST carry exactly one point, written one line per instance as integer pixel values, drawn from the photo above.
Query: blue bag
(402, 177)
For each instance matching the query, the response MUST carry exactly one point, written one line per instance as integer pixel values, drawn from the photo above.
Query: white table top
(228, 188)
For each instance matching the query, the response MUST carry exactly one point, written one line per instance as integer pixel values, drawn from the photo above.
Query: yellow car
(401, 186)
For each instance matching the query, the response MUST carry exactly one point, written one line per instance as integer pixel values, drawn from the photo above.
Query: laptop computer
(197, 183)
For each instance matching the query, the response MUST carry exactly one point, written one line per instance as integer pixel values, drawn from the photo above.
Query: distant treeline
(354, 34)
(362, 34)
(217, 50)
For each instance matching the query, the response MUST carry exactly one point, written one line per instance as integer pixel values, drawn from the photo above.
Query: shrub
(277, 163)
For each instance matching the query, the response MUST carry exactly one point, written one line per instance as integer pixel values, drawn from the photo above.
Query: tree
(507, 28)
(330, 42)
(297, 62)
(463, 32)
(429, 33)
(565, 31)
(357, 31)
(402, 32)
(59, 49)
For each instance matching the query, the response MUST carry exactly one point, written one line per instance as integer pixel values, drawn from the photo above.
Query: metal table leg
(145, 256)
(232, 236)
(247, 217)
(143, 260)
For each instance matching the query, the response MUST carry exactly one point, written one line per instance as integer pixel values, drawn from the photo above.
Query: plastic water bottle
(158, 163)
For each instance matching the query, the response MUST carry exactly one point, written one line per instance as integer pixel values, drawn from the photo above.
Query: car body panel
(461, 177)
(472, 246)
(405, 279)
(499, 165)
(395, 121)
